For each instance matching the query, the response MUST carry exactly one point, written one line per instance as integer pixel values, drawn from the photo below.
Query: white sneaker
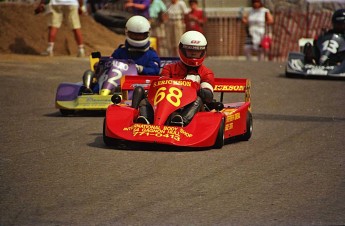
(47, 53)
(81, 52)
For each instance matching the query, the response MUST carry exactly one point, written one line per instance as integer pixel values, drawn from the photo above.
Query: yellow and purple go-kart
(72, 97)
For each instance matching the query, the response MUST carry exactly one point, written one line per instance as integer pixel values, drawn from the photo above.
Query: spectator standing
(157, 11)
(175, 25)
(196, 18)
(256, 20)
(139, 7)
(157, 7)
(60, 8)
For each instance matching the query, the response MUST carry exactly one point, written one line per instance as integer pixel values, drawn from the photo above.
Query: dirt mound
(22, 32)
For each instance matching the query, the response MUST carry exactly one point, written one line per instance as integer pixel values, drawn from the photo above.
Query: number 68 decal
(173, 96)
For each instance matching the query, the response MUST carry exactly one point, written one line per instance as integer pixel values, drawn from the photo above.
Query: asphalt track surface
(56, 170)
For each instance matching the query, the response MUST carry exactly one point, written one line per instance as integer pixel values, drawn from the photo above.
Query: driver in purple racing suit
(137, 48)
(328, 48)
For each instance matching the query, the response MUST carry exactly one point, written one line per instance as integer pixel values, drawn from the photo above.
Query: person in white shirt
(58, 9)
(158, 19)
(176, 11)
(256, 20)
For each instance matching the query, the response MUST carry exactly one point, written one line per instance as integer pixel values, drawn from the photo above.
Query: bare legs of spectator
(248, 51)
(79, 39)
(175, 29)
(261, 54)
(51, 40)
(158, 31)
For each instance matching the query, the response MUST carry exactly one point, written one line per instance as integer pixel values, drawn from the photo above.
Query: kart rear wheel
(220, 136)
(114, 20)
(66, 112)
(107, 140)
(249, 124)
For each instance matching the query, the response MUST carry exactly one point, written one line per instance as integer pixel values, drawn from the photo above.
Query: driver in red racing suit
(192, 52)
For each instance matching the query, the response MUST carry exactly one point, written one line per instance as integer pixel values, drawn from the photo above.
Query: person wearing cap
(192, 53)
(256, 20)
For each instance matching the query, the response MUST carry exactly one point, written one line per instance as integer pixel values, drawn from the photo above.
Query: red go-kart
(208, 128)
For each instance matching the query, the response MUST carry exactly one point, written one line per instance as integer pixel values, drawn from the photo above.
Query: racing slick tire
(220, 136)
(110, 142)
(249, 127)
(66, 112)
(114, 20)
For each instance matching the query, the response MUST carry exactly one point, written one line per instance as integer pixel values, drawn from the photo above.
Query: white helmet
(195, 41)
(138, 31)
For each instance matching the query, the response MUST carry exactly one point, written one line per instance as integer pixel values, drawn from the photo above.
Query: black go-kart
(327, 64)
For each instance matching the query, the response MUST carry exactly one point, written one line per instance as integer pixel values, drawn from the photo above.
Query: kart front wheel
(107, 140)
(220, 136)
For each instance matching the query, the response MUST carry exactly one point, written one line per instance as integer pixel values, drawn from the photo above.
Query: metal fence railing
(226, 34)
(290, 26)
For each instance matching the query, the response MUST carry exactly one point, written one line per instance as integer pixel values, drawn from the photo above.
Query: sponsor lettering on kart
(222, 121)
(235, 88)
(168, 132)
(318, 69)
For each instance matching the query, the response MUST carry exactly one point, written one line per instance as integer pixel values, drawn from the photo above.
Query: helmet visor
(194, 52)
(137, 36)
